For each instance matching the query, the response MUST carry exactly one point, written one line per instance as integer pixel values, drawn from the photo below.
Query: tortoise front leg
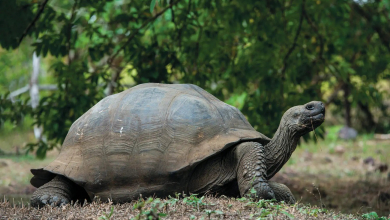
(251, 170)
(59, 191)
(282, 192)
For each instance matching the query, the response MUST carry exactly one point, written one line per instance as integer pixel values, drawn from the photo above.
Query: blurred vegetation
(261, 56)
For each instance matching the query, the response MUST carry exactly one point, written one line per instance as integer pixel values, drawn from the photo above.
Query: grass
(188, 207)
(332, 173)
(328, 178)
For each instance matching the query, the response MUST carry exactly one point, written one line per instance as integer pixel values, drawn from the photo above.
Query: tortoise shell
(142, 136)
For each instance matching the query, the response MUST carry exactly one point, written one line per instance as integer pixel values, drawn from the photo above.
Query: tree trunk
(369, 124)
(114, 82)
(347, 104)
(34, 92)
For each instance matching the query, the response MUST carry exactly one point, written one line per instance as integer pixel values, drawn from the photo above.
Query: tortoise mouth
(318, 117)
(315, 120)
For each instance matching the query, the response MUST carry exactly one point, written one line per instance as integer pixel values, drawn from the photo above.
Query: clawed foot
(52, 200)
(282, 192)
(290, 199)
(264, 191)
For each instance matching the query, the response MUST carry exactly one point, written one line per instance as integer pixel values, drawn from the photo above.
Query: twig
(294, 42)
(197, 49)
(283, 14)
(312, 126)
(184, 22)
(109, 61)
(33, 22)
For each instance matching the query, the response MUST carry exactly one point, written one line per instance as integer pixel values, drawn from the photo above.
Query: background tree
(261, 56)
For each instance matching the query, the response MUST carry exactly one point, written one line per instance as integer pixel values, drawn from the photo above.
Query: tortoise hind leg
(59, 191)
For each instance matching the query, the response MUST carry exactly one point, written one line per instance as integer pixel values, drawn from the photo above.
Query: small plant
(261, 203)
(303, 210)
(264, 213)
(171, 202)
(194, 201)
(287, 214)
(153, 212)
(209, 212)
(373, 216)
(218, 212)
(277, 209)
(242, 199)
(107, 215)
(314, 212)
(253, 193)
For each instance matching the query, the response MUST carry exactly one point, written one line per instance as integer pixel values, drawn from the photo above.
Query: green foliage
(153, 212)
(13, 112)
(312, 211)
(107, 216)
(194, 201)
(261, 56)
(73, 99)
(373, 216)
(41, 148)
(15, 16)
(288, 214)
(14, 67)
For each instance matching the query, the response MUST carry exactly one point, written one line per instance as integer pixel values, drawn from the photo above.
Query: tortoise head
(302, 119)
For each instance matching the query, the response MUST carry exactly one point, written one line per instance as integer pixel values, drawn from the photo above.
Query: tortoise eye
(310, 107)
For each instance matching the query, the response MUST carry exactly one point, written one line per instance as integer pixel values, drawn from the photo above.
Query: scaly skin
(282, 192)
(251, 164)
(251, 170)
(59, 191)
(233, 172)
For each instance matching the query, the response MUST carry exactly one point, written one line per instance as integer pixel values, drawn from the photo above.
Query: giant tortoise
(158, 139)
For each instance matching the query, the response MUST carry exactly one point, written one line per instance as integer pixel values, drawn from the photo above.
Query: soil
(350, 177)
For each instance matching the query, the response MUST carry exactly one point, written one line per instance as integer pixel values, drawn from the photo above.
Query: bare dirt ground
(350, 177)
(346, 176)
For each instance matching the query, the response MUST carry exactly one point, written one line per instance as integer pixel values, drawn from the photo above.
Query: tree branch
(283, 69)
(112, 57)
(383, 36)
(34, 21)
(70, 30)
(314, 27)
(184, 22)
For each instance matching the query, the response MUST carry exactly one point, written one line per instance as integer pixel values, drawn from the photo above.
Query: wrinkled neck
(280, 148)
